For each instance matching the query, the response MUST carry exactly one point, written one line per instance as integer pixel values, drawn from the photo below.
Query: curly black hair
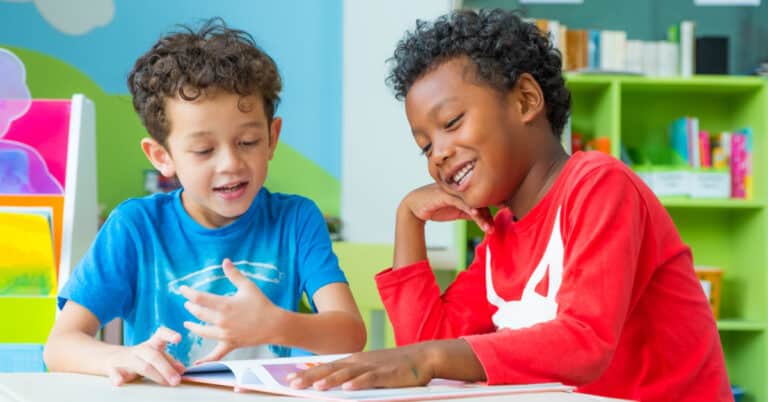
(500, 44)
(188, 62)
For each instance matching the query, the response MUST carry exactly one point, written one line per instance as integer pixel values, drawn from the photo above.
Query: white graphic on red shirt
(532, 308)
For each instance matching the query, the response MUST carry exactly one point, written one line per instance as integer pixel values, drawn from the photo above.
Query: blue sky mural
(103, 38)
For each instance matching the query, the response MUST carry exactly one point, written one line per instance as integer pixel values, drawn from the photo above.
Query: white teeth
(461, 174)
(231, 188)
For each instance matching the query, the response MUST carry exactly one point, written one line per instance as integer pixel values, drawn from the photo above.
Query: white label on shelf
(707, 286)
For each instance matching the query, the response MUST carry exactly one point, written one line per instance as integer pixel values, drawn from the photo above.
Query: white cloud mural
(14, 94)
(74, 17)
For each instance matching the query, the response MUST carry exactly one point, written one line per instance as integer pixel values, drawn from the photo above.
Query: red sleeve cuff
(394, 277)
(483, 348)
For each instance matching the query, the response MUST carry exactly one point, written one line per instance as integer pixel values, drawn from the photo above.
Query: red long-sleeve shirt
(615, 307)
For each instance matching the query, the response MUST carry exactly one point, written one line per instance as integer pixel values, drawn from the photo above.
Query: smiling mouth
(232, 188)
(463, 173)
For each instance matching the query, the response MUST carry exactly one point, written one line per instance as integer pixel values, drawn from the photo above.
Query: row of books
(731, 150)
(611, 51)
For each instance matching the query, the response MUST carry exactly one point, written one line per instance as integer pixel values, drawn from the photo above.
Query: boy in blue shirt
(219, 265)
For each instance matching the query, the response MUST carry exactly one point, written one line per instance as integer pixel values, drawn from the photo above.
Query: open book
(268, 375)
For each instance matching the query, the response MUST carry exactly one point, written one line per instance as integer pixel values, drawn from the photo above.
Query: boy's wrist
(283, 327)
(433, 357)
(115, 358)
(451, 358)
(405, 216)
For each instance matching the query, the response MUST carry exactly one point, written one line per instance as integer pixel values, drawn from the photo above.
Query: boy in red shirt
(581, 278)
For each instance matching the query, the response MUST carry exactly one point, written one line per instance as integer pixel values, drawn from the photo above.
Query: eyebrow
(442, 104)
(249, 124)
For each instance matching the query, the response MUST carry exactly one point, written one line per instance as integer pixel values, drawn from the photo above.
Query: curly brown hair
(500, 44)
(188, 62)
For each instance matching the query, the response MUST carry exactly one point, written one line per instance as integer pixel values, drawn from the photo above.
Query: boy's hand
(430, 202)
(246, 318)
(399, 367)
(404, 366)
(148, 359)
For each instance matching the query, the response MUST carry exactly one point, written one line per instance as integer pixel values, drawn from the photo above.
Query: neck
(539, 179)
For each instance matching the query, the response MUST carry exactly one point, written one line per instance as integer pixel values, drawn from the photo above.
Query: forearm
(79, 353)
(331, 332)
(410, 246)
(420, 312)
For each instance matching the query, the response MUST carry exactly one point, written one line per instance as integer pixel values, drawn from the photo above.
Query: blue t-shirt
(150, 246)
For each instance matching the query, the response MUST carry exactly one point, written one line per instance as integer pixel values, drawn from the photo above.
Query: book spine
(635, 56)
(679, 138)
(748, 191)
(594, 49)
(705, 152)
(693, 137)
(721, 151)
(738, 165)
(687, 51)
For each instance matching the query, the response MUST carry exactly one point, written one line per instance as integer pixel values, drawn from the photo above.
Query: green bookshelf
(728, 233)
(684, 202)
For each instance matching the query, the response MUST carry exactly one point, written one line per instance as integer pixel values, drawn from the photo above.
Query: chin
(474, 203)
(476, 199)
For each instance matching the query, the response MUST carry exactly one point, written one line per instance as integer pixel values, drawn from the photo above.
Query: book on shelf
(687, 48)
(740, 164)
(269, 376)
(26, 251)
(576, 52)
(606, 51)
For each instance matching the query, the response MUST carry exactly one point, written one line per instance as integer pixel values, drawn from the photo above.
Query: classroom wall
(381, 161)
(747, 27)
(89, 46)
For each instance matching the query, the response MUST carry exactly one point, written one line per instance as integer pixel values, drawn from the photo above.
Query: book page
(222, 372)
(269, 375)
(269, 372)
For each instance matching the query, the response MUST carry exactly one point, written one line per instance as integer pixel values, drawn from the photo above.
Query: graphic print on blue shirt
(149, 247)
(211, 279)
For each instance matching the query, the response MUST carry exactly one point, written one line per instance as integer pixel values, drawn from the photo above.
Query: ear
(274, 135)
(158, 156)
(529, 98)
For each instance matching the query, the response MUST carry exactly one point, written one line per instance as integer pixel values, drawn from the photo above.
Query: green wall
(746, 27)
(120, 160)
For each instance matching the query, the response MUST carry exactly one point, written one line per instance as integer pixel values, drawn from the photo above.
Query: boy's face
(475, 138)
(218, 152)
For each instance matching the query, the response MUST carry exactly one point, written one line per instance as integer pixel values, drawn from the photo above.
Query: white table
(64, 387)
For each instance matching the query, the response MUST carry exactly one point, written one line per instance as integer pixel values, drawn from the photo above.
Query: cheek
(194, 171)
(433, 171)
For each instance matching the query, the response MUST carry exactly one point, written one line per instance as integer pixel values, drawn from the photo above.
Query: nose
(230, 160)
(441, 150)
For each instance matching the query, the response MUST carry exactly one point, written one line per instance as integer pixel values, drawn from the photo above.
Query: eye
(249, 143)
(202, 151)
(453, 121)
(425, 149)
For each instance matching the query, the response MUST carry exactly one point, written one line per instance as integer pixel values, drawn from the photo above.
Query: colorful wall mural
(88, 47)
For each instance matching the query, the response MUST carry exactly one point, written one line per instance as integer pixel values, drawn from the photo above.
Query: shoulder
(597, 184)
(597, 171)
(289, 204)
(586, 163)
(141, 209)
